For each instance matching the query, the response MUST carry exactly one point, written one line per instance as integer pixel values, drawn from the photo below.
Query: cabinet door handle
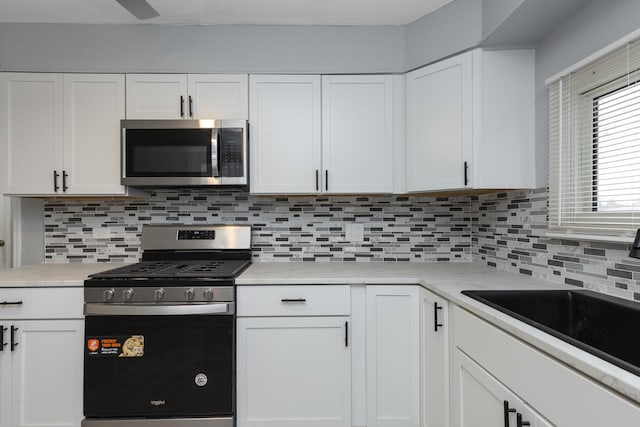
(64, 181)
(317, 180)
(55, 181)
(2, 343)
(11, 303)
(346, 334)
(181, 106)
(326, 179)
(466, 173)
(519, 422)
(14, 344)
(436, 325)
(190, 106)
(507, 412)
(293, 300)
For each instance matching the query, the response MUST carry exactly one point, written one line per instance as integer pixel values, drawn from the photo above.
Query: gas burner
(187, 253)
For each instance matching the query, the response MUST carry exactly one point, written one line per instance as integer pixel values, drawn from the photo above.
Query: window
(594, 147)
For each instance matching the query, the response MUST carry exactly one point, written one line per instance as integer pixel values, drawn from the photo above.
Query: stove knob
(189, 294)
(128, 294)
(208, 294)
(159, 294)
(109, 294)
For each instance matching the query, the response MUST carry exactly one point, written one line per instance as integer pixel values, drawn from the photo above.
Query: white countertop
(445, 279)
(51, 275)
(448, 280)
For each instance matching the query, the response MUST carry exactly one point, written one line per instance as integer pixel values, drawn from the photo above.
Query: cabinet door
(434, 318)
(31, 131)
(393, 351)
(293, 372)
(284, 118)
(534, 418)
(218, 96)
(5, 377)
(46, 382)
(439, 125)
(93, 108)
(480, 398)
(357, 134)
(157, 96)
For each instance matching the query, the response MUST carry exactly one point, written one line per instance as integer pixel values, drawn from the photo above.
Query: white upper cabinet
(31, 126)
(61, 133)
(332, 134)
(219, 96)
(470, 122)
(93, 108)
(187, 96)
(439, 124)
(357, 134)
(285, 134)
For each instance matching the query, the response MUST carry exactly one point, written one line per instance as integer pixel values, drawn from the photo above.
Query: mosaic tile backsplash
(508, 233)
(387, 228)
(504, 231)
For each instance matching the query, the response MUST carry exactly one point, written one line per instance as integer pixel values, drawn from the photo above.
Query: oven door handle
(94, 309)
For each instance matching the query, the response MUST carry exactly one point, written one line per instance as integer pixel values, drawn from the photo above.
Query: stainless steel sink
(605, 326)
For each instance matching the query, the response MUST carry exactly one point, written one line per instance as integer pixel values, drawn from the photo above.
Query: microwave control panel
(231, 153)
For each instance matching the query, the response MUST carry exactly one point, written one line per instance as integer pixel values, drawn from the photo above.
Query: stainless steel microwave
(184, 152)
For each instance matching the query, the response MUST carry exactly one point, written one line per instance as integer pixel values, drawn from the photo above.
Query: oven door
(159, 366)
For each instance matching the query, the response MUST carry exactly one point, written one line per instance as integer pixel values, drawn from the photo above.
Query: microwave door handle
(215, 170)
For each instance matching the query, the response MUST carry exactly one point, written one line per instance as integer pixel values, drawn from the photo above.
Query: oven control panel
(196, 234)
(159, 295)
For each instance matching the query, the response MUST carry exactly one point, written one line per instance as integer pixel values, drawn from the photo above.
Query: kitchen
(294, 228)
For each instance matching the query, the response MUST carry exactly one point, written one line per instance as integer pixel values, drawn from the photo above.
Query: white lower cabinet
(334, 355)
(293, 356)
(41, 361)
(491, 367)
(484, 401)
(392, 356)
(294, 372)
(434, 360)
(46, 373)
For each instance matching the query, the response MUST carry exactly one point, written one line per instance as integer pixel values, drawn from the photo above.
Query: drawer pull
(10, 302)
(293, 300)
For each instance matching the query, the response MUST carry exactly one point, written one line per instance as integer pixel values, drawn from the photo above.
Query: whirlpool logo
(157, 402)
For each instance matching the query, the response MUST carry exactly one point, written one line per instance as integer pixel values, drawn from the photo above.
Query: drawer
(294, 300)
(41, 303)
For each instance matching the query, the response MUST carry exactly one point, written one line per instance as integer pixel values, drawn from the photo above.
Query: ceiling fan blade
(139, 8)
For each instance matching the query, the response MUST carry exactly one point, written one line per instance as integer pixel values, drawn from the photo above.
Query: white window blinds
(594, 147)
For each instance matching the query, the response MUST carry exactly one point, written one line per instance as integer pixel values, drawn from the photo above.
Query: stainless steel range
(160, 334)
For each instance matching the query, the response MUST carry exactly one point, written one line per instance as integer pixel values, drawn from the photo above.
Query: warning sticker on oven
(120, 346)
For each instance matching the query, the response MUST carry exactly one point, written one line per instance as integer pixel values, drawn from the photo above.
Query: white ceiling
(241, 12)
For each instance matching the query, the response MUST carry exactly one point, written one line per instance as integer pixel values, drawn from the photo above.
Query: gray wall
(495, 12)
(216, 49)
(450, 29)
(591, 28)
